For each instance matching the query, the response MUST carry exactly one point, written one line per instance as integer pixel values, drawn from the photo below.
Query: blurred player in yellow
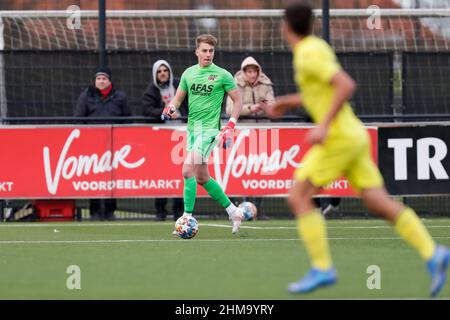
(341, 147)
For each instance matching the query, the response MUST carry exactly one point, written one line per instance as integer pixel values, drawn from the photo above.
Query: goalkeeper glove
(168, 112)
(227, 133)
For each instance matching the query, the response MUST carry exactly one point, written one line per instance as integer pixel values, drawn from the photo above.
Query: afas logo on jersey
(201, 88)
(212, 77)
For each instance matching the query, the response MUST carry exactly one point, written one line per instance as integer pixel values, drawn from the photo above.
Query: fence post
(326, 20)
(102, 33)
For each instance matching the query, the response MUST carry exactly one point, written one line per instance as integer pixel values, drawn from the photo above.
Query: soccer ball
(186, 227)
(249, 209)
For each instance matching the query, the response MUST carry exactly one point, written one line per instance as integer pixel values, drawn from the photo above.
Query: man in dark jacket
(159, 93)
(102, 99)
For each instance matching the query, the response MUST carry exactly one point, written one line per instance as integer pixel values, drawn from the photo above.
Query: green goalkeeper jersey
(206, 88)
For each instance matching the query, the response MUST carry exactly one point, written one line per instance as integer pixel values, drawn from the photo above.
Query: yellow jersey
(315, 65)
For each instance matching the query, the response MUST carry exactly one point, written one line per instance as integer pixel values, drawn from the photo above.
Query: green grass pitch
(142, 260)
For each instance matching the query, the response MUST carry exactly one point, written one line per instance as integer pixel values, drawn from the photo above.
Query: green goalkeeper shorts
(202, 142)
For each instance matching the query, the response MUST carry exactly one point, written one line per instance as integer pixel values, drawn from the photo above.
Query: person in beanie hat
(102, 99)
(103, 71)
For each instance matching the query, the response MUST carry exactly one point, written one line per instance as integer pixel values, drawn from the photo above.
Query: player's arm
(278, 107)
(228, 130)
(344, 86)
(174, 104)
(237, 103)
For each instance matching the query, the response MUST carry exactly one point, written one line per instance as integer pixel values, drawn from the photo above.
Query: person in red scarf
(102, 99)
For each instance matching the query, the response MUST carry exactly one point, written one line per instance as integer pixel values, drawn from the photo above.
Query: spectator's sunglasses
(162, 70)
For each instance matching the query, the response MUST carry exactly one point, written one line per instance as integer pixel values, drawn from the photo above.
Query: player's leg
(412, 230)
(211, 186)
(311, 228)
(190, 181)
(216, 192)
(203, 145)
(320, 167)
(190, 184)
(405, 220)
(366, 177)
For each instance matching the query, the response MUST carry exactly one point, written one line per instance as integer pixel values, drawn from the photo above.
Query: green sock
(216, 192)
(190, 193)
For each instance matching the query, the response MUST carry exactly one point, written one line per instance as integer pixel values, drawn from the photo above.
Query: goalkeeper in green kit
(206, 85)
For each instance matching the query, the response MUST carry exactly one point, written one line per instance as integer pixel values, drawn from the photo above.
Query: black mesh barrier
(426, 83)
(47, 84)
(268, 208)
(373, 73)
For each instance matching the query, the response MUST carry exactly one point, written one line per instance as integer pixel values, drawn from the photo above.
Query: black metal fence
(426, 83)
(47, 84)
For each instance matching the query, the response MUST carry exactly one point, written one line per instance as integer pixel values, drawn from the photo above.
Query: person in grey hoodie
(159, 93)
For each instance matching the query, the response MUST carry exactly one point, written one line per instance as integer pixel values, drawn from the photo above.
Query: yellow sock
(311, 228)
(409, 226)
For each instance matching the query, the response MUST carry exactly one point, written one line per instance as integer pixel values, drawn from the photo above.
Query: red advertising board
(146, 161)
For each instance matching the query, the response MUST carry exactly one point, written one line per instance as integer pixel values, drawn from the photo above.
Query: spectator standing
(255, 87)
(102, 99)
(156, 97)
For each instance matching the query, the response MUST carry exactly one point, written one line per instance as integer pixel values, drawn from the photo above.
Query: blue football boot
(437, 266)
(314, 279)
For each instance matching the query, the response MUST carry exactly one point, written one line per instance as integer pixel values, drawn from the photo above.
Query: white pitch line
(180, 240)
(243, 227)
(295, 228)
(81, 225)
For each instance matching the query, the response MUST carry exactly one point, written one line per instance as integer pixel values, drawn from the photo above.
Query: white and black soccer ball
(249, 209)
(186, 227)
